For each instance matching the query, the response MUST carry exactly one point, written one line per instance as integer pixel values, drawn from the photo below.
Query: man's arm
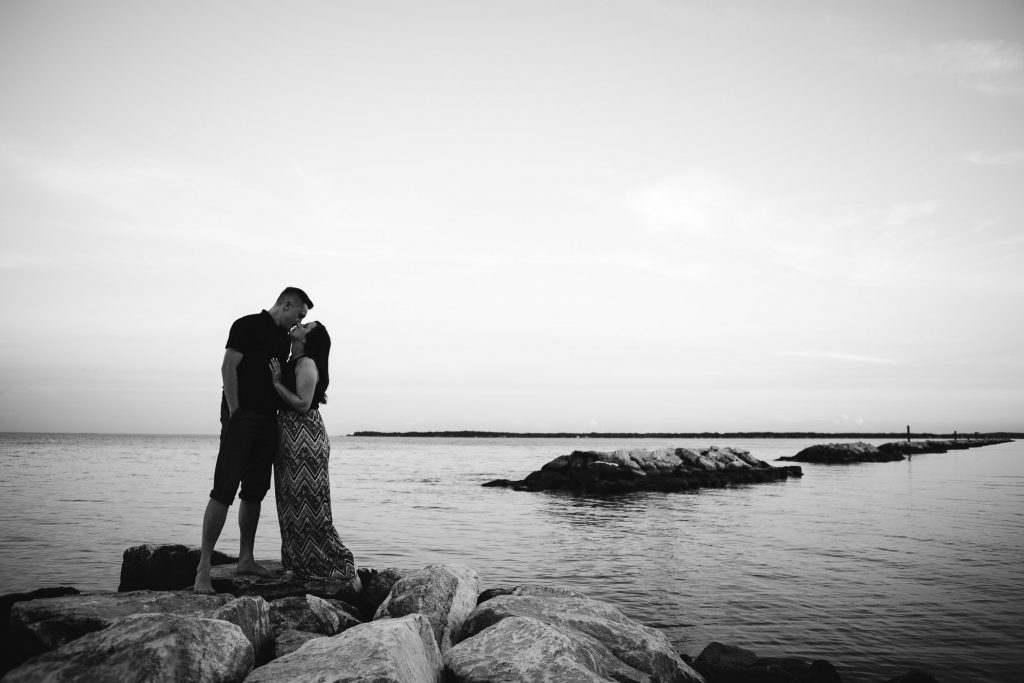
(229, 375)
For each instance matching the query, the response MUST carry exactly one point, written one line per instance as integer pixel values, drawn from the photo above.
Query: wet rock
(445, 594)
(45, 624)
(290, 640)
(147, 647)
(163, 567)
(843, 454)
(376, 584)
(401, 650)
(720, 663)
(251, 613)
(310, 614)
(282, 584)
(635, 645)
(666, 469)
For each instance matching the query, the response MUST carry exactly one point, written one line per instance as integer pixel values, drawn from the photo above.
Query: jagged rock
(401, 650)
(842, 454)
(282, 584)
(290, 640)
(311, 614)
(376, 586)
(163, 567)
(445, 594)
(519, 649)
(666, 469)
(251, 613)
(150, 648)
(720, 663)
(45, 624)
(10, 655)
(638, 646)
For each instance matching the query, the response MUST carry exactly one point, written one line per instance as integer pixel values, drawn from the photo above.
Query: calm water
(876, 567)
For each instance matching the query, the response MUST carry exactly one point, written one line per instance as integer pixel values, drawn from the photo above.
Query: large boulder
(282, 584)
(842, 454)
(147, 647)
(311, 614)
(251, 613)
(519, 649)
(10, 655)
(720, 663)
(665, 469)
(401, 650)
(163, 567)
(637, 646)
(445, 594)
(48, 623)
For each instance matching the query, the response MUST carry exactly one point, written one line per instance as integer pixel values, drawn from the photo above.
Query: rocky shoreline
(425, 626)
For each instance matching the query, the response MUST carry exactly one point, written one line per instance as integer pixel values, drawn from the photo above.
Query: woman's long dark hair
(318, 347)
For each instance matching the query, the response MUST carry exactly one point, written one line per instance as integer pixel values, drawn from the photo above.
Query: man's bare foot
(203, 585)
(251, 567)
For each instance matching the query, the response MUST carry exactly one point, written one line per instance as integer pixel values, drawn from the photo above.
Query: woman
(310, 545)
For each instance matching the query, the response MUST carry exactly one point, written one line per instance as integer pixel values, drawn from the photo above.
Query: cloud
(995, 67)
(839, 356)
(1014, 158)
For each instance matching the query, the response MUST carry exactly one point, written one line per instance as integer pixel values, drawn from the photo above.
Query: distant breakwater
(463, 434)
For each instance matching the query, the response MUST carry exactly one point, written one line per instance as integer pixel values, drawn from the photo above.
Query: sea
(877, 567)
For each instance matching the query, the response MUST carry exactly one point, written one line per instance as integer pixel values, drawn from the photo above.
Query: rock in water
(666, 469)
(720, 662)
(842, 454)
(163, 567)
(445, 594)
(636, 646)
(152, 648)
(399, 650)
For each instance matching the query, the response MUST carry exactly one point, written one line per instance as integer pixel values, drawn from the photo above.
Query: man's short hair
(296, 295)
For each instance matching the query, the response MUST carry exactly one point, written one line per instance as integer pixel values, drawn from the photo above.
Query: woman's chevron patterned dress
(310, 545)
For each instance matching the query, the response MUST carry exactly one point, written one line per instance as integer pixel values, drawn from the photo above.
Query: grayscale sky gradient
(532, 216)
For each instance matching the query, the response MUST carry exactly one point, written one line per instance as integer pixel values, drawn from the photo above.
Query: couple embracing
(275, 379)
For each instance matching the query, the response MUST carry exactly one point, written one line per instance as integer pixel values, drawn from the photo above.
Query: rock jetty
(848, 453)
(664, 469)
(426, 626)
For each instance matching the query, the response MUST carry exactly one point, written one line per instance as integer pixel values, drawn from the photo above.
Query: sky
(593, 215)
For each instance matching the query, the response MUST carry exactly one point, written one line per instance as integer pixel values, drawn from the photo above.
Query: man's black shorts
(248, 442)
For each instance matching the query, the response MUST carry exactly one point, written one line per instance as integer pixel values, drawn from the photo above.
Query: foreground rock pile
(427, 626)
(665, 469)
(846, 453)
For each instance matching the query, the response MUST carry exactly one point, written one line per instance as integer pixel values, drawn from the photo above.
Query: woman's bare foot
(203, 584)
(251, 567)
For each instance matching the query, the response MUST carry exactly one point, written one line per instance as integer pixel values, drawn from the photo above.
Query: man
(248, 432)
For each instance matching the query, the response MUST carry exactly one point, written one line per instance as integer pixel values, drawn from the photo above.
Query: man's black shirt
(258, 338)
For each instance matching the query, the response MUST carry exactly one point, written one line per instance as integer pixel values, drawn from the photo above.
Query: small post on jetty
(954, 435)
(908, 433)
